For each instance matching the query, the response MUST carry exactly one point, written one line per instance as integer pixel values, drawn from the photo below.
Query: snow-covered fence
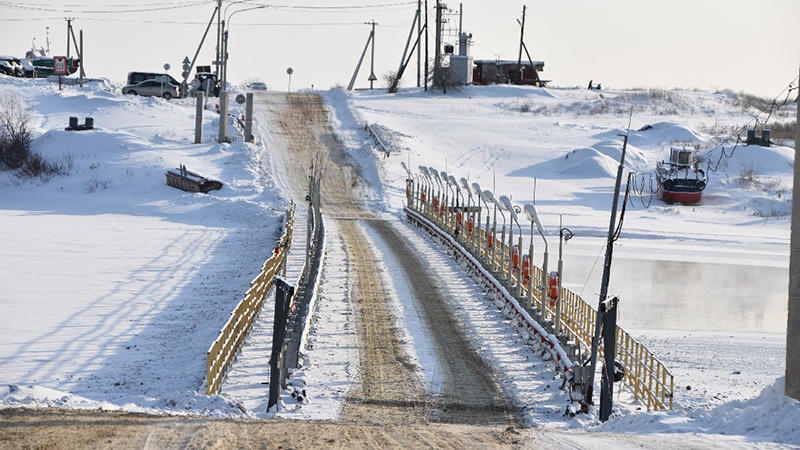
(538, 333)
(647, 377)
(223, 351)
(377, 140)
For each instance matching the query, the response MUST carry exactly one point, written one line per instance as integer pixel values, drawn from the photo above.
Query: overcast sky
(708, 44)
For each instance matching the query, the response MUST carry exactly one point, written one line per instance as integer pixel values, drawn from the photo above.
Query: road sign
(186, 60)
(195, 83)
(240, 99)
(166, 66)
(60, 65)
(290, 71)
(372, 77)
(185, 74)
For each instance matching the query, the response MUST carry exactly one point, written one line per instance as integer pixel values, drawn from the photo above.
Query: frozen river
(680, 295)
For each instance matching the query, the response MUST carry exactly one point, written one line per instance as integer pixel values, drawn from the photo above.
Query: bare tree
(15, 130)
(444, 79)
(392, 81)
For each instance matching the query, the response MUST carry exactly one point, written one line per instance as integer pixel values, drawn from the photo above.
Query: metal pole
(460, 20)
(544, 276)
(560, 274)
(793, 324)
(530, 280)
(223, 117)
(494, 238)
(426, 45)
(225, 58)
(248, 118)
(511, 254)
(609, 338)
(521, 38)
(589, 386)
(219, 38)
(198, 121)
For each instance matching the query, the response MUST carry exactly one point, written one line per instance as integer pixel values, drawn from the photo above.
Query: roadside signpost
(60, 68)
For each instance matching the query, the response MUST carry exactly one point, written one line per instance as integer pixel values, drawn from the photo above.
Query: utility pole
(588, 388)
(426, 45)
(793, 325)
(69, 28)
(372, 77)
(521, 43)
(80, 50)
(419, 53)
(361, 59)
(460, 18)
(437, 63)
(219, 38)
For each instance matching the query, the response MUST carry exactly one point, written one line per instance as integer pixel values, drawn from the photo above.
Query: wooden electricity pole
(426, 45)
(437, 63)
(793, 324)
(419, 53)
(521, 44)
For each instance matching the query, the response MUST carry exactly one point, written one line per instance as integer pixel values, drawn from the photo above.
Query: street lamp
(476, 188)
(428, 187)
(447, 198)
(440, 187)
(459, 223)
(564, 235)
(226, 24)
(409, 184)
(530, 212)
(510, 208)
(470, 237)
(489, 197)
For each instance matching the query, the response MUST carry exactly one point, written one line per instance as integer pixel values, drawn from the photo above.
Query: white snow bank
(770, 417)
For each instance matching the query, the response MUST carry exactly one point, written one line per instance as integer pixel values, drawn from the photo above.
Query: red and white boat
(679, 179)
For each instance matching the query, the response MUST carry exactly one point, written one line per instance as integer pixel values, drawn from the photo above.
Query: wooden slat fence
(226, 347)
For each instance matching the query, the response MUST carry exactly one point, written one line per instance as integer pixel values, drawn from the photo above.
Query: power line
(166, 22)
(334, 8)
(134, 5)
(150, 9)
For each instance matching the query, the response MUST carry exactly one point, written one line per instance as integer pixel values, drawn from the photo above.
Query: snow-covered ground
(114, 284)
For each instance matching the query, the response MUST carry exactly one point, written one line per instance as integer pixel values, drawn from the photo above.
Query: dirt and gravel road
(390, 406)
(390, 389)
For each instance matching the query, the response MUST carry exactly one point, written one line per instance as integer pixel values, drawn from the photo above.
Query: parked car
(138, 77)
(153, 88)
(11, 66)
(258, 86)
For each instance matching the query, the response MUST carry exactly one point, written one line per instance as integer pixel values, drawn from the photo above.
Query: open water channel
(685, 295)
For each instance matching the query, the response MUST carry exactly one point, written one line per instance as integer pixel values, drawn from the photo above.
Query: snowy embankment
(114, 284)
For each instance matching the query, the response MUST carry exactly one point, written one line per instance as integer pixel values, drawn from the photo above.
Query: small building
(490, 71)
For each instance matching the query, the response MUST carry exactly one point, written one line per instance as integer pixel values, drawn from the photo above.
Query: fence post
(283, 294)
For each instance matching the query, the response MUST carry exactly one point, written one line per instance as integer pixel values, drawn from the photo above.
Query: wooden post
(793, 322)
(198, 121)
(81, 56)
(248, 119)
(283, 293)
